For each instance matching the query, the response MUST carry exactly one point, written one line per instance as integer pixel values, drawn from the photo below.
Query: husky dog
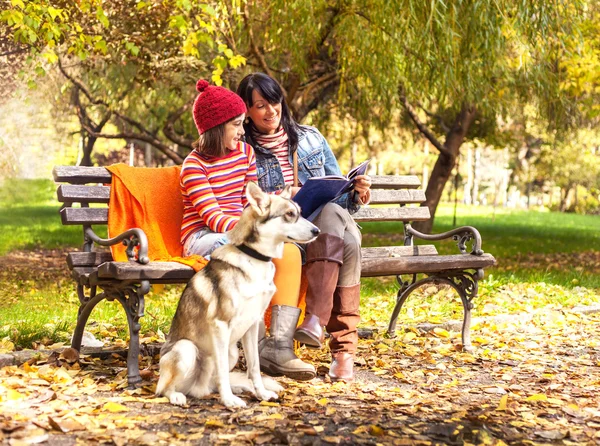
(225, 302)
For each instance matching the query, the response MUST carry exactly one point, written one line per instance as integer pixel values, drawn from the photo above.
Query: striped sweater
(213, 189)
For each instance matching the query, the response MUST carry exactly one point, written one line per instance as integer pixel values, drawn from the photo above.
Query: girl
(333, 261)
(213, 183)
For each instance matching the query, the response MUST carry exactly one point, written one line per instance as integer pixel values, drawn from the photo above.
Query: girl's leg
(203, 243)
(277, 355)
(288, 271)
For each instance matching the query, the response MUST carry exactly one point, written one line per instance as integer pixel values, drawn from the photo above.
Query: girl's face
(265, 116)
(234, 130)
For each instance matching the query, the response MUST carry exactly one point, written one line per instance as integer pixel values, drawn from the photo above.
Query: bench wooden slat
(152, 271)
(391, 266)
(398, 251)
(83, 194)
(404, 196)
(395, 182)
(77, 259)
(79, 216)
(81, 174)
(371, 267)
(85, 259)
(392, 214)
(97, 216)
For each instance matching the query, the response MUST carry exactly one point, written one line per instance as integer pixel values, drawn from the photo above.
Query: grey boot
(277, 355)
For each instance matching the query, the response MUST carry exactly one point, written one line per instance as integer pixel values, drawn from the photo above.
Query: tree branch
(435, 116)
(422, 127)
(169, 127)
(131, 136)
(259, 56)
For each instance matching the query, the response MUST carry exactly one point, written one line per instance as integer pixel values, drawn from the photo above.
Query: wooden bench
(128, 282)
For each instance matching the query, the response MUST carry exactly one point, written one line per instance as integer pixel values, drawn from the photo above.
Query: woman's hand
(362, 185)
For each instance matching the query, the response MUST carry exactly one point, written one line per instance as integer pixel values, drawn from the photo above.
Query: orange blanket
(149, 199)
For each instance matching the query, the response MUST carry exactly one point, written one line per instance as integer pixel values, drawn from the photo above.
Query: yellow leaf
(269, 404)
(376, 430)
(408, 337)
(361, 430)
(330, 411)
(13, 395)
(502, 404)
(214, 423)
(114, 407)
(537, 397)
(322, 402)
(441, 332)
(275, 416)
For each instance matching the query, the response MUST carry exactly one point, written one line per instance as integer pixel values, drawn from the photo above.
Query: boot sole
(306, 339)
(295, 375)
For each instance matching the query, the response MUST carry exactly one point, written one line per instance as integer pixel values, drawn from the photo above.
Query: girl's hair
(269, 89)
(212, 142)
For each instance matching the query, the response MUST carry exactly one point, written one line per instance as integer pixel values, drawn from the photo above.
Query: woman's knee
(331, 219)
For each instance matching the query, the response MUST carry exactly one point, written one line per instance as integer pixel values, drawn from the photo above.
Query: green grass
(537, 253)
(508, 232)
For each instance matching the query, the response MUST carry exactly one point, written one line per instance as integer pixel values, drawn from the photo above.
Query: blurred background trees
(489, 101)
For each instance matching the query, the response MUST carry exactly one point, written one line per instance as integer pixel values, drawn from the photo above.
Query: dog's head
(272, 217)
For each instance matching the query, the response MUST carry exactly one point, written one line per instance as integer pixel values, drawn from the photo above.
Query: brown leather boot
(342, 367)
(323, 259)
(344, 335)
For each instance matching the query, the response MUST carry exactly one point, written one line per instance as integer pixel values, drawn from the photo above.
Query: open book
(318, 191)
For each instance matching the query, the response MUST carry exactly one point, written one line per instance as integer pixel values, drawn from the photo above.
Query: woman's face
(234, 130)
(265, 116)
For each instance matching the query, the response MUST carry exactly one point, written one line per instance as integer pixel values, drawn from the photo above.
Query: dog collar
(253, 253)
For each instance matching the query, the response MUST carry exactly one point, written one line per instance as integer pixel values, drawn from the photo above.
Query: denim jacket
(315, 159)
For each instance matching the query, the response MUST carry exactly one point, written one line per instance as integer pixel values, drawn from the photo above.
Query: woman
(333, 261)
(213, 184)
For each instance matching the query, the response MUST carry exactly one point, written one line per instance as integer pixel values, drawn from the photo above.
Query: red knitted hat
(215, 105)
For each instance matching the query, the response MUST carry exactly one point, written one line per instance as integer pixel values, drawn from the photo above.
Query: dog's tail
(241, 382)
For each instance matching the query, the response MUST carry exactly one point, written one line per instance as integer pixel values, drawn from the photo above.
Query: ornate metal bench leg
(467, 287)
(87, 304)
(134, 309)
(400, 299)
(466, 328)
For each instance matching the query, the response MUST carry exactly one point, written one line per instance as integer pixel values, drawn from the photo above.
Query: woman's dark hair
(269, 89)
(212, 142)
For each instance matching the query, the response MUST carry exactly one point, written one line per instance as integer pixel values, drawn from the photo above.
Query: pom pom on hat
(201, 85)
(215, 106)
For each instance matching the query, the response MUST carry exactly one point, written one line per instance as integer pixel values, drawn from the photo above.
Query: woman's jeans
(204, 242)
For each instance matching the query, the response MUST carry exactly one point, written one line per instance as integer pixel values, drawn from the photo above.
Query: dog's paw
(241, 388)
(233, 401)
(178, 399)
(266, 395)
(271, 384)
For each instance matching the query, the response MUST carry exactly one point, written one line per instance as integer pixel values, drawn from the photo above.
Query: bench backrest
(87, 185)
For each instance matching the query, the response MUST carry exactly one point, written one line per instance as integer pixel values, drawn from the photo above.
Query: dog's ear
(286, 192)
(257, 198)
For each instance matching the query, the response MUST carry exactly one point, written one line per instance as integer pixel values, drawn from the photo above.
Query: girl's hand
(362, 185)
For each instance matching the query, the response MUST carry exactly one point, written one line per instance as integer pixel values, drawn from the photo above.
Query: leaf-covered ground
(534, 377)
(537, 382)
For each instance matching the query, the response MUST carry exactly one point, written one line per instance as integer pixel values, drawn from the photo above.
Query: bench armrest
(461, 235)
(130, 238)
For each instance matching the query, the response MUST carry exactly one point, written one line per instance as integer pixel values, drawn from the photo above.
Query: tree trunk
(445, 163)
(88, 147)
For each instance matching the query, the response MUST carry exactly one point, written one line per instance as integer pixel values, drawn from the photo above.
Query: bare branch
(140, 137)
(169, 127)
(80, 86)
(259, 56)
(422, 127)
(435, 116)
